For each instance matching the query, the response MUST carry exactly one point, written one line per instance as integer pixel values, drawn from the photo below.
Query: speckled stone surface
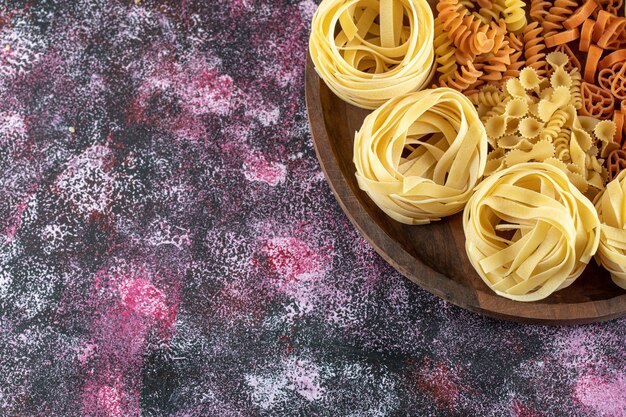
(169, 245)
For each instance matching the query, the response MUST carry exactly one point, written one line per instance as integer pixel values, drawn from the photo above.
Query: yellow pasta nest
(368, 51)
(419, 156)
(611, 206)
(529, 231)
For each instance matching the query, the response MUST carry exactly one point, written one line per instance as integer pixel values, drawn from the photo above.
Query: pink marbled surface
(178, 252)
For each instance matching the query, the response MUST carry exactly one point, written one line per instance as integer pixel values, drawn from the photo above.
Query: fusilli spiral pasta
(515, 16)
(494, 12)
(444, 51)
(463, 78)
(552, 22)
(497, 64)
(488, 97)
(534, 48)
(554, 125)
(517, 60)
(539, 9)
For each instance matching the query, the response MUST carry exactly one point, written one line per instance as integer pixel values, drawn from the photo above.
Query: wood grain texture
(433, 256)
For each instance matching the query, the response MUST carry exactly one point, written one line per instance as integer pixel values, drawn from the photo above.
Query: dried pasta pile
(536, 119)
(596, 29)
(517, 131)
(478, 43)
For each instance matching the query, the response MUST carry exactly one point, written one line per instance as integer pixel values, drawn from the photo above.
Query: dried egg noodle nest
(419, 156)
(611, 206)
(529, 231)
(365, 63)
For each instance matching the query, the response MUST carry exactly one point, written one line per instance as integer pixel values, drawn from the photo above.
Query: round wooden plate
(433, 256)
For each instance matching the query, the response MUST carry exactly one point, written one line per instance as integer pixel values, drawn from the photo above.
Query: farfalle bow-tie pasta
(419, 156)
(368, 51)
(611, 206)
(529, 231)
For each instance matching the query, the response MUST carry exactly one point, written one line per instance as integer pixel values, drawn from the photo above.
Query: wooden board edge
(490, 305)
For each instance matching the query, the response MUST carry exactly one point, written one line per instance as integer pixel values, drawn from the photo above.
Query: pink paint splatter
(238, 7)
(291, 258)
(24, 52)
(12, 129)
(294, 375)
(266, 115)
(518, 409)
(130, 307)
(205, 90)
(307, 8)
(295, 270)
(257, 168)
(86, 351)
(141, 297)
(197, 86)
(165, 234)
(305, 380)
(439, 381)
(109, 401)
(87, 181)
(606, 397)
(16, 220)
(242, 300)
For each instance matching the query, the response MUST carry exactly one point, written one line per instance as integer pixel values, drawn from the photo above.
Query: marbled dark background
(169, 245)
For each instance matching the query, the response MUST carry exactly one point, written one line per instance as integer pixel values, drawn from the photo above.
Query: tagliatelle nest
(529, 231)
(366, 61)
(419, 156)
(611, 206)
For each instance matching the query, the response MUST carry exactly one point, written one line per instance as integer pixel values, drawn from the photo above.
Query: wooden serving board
(433, 256)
